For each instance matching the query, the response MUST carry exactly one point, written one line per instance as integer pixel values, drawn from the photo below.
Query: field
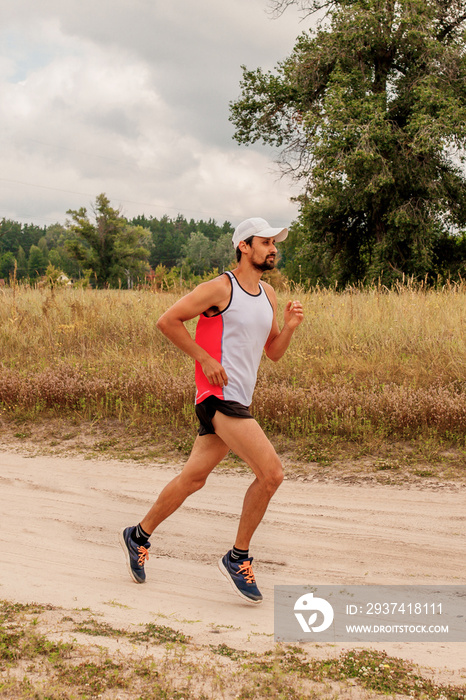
(374, 375)
(372, 389)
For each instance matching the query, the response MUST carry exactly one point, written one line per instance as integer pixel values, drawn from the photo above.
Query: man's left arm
(278, 341)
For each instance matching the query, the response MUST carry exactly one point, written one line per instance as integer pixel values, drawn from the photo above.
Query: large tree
(112, 250)
(369, 112)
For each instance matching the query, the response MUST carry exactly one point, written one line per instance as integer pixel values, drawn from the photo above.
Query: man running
(237, 321)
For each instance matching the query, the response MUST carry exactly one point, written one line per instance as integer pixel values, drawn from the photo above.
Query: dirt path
(58, 540)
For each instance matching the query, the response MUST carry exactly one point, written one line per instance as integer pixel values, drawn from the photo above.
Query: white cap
(257, 227)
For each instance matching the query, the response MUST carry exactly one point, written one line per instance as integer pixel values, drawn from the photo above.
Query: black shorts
(207, 409)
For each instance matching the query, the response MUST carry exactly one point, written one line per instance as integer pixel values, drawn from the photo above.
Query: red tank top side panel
(209, 335)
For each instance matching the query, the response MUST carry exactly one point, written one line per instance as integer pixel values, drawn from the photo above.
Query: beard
(268, 264)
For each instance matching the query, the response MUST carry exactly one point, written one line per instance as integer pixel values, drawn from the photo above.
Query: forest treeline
(115, 251)
(108, 250)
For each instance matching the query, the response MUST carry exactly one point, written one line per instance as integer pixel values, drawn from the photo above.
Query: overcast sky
(130, 98)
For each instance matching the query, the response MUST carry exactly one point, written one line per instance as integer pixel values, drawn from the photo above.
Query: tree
(169, 237)
(167, 240)
(197, 253)
(223, 252)
(369, 112)
(7, 265)
(58, 256)
(10, 235)
(42, 244)
(14, 234)
(202, 255)
(111, 249)
(36, 262)
(22, 262)
(56, 235)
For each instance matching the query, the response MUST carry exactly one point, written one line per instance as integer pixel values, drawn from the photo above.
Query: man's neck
(248, 277)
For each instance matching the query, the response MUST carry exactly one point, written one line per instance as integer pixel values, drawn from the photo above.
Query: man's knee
(273, 476)
(192, 484)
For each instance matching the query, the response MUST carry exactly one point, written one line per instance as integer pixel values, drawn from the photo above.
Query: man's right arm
(171, 323)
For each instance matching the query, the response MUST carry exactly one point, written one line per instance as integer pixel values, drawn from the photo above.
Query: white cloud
(131, 99)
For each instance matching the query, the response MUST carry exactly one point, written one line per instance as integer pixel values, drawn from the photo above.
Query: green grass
(157, 664)
(19, 638)
(374, 670)
(157, 634)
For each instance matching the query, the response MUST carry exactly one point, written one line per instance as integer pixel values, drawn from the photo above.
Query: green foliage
(371, 669)
(55, 277)
(370, 113)
(161, 634)
(14, 234)
(19, 641)
(113, 250)
(7, 265)
(22, 265)
(171, 243)
(37, 262)
(18, 241)
(201, 254)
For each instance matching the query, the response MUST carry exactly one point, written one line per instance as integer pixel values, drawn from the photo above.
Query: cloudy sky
(130, 98)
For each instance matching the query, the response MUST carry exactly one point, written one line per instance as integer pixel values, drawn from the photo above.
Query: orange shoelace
(246, 570)
(143, 555)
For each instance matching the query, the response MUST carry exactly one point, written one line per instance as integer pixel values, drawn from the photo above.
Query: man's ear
(243, 246)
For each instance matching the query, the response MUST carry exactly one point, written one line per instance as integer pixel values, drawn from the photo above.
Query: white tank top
(235, 337)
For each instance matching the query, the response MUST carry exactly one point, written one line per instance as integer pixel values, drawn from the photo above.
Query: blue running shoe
(135, 555)
(241, 577)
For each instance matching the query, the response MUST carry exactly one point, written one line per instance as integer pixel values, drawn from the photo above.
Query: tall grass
(391, 362)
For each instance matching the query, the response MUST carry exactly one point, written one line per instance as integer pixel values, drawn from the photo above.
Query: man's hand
(293, 314)
(214, 372)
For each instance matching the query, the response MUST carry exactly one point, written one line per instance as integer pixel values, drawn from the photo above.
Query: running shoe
(135, 554)
(241, 577)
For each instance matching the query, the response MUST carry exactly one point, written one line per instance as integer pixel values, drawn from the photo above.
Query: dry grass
(364, 364)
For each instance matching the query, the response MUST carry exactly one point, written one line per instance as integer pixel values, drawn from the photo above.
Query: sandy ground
(58, 540)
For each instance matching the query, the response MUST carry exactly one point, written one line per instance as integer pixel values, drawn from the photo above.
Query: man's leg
(247, 439)
(207, 452)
